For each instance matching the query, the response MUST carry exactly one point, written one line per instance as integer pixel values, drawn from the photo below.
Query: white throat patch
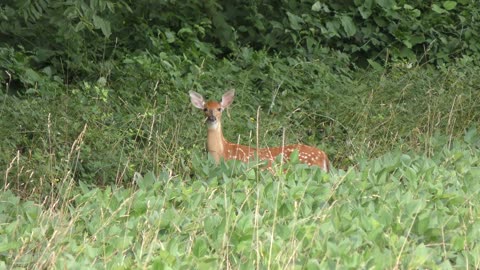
(212, 125)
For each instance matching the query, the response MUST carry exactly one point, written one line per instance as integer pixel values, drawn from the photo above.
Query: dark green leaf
(295, 21)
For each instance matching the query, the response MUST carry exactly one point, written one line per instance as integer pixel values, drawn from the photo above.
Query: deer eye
(219, 109)
(205, 109)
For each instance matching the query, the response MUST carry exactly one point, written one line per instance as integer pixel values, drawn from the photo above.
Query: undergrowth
(102, 178)
(104, 132)
(398, 211)
(102, 160)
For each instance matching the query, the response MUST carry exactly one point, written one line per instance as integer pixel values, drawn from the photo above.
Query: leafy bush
(398, 211)
(435, 31)
(75, 40)
(85, 40)
(102, 161)
(105, 132)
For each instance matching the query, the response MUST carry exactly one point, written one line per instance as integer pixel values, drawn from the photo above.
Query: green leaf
(348, 25)
(32, 76)
(102, 24)
(365, 12)
(457, 243)
(9, 246)
(438, 9)
(297, 192)
(386, 4)
(200, 247)
(332, 27)
(422, 223)
(420, 256)
(416, 13)
(312, 264)
(149, 179)
(407, 53)
(449, 5)
(79, 27)
(295, 21)
(376, 66)
(185, 31)
(170, 36)
(317, 6)
(471, 136)
(417, 39)
(407, 44)
(294, 157)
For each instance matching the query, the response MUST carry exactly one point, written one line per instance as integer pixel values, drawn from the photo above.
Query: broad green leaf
(102, 24)
(420, 256)
(417, 39)
(458, 242)
(311, 42)
(348, 25)
(185, 31)
(438, 9)
(376, 66)
(407, 53)
(365, 12)
(416, 13)
(297, 192)
(422, 223)
(332, 27)
(407, 44)
(32, 75)
(200, 247)
(90, 251)
(295, 21)
(9, 246)
(386, 4)
(170, 36)
(449, 5)
(380, 21)
(365, 8)
(195, 200)
(207, 264)
(149, 179)
(316, 6)
(471, 136)
(145, 182)
(312, 264)
(79, 26)
(294, 157)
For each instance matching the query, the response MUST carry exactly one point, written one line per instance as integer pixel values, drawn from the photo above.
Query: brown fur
(220, 148)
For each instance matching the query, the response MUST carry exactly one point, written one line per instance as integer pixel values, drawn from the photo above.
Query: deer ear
(197, 99)
(227, 98)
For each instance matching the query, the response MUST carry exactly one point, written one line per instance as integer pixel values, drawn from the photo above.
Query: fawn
(220, 148)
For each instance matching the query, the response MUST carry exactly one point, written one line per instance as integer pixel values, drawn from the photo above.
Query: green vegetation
(102, 155)
(398, 211)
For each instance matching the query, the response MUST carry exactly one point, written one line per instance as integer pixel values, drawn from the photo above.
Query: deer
(219, 148)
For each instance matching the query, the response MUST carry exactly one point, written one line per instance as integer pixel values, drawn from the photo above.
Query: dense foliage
(72, 40)
(102, 161)
(154, 126)
(398, 212)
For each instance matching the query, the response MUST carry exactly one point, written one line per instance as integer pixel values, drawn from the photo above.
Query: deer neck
(215, 141)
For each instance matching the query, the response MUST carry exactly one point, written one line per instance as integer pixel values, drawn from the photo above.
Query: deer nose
(211, 118)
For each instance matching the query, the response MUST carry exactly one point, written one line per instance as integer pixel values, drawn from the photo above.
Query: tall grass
(102, 178)
(397, 211)
(352, 115)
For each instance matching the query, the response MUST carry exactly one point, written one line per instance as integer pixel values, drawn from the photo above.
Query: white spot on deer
(229, 150)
